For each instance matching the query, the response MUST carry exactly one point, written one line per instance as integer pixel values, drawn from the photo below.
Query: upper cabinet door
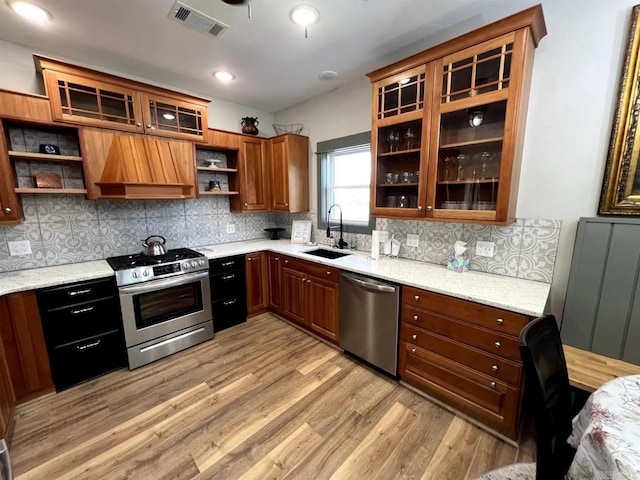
(279, 174)
(173, 118)
(402, 95)
(10, 210)
(81, 100)
(252, 173)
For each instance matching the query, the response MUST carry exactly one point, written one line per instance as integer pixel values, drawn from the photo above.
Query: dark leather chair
(551, 399)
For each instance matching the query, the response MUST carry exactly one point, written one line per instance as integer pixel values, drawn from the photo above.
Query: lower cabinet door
(294, 290)
(485, 398)
(228, 312)
(322, 313)
(76, 362)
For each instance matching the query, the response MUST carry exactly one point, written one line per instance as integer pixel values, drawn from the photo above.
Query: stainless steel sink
(332, 254)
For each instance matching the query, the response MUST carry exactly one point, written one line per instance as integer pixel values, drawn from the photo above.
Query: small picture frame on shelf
(301, 231)
(49, 149)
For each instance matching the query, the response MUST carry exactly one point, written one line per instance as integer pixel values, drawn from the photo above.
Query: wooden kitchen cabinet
(252, 177)
(310, 296)
(257, 282)
(275, 282)
(448, 125)
(24, 346)
(7, 395)
(464, 353)
(10, 208)
(289, 162)
(82, 96)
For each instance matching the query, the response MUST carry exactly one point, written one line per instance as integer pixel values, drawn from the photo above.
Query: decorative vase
(250, 125)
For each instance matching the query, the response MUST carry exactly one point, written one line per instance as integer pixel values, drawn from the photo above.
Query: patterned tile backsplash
(526, 249)
(69, 228)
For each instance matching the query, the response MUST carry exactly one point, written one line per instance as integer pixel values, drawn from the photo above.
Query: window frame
(324, 149)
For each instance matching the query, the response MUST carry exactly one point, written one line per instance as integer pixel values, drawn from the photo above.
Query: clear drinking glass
(462, 160)
(409, 137)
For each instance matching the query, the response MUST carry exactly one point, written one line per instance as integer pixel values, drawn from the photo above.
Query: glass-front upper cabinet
(174, 118)
(398, 185)
(469, 131)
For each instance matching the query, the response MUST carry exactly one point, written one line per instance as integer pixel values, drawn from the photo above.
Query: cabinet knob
(414, 336)
(328, 272)
(7, 210)
(413, 350)
(499, 321)
(139, 124)
(492, 384)
(494, 368)
(246, 204)
(286, 261)
(429, 207)
(498, 344)
(419, 207)
(286, 204)
(249, 259)
(276, 258)
(308, 281)
(149, 125)
(415, 317)
(416, 297)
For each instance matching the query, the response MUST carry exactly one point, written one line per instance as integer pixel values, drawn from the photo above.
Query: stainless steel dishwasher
(369, 320)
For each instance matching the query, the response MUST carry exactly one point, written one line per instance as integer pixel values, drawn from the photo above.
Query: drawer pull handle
(414, 336)
(415, 317)
(413, 350)
(227, 264)
(82, 310)
(416, 297)
(500, 321)
(79, 292)
(230, 302)
(249, 258)
(88, 345)
(229, 277)
(492, 384)
(494, 368)
(498, 344)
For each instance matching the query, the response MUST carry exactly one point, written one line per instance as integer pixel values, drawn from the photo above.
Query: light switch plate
(485, 249)
(231, 228)
(23, 247)
(413, 240)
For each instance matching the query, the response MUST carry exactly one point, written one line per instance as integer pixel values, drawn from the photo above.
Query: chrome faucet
(341, 242)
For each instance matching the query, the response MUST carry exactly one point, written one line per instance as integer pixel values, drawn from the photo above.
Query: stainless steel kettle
(154, 247)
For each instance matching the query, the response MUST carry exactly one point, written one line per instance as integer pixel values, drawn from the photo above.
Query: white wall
(18, 73)
(573, 98)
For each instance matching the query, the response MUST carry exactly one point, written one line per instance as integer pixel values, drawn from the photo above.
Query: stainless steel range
(165, 301)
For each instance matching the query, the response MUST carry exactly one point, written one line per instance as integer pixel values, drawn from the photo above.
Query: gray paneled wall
(602, 310)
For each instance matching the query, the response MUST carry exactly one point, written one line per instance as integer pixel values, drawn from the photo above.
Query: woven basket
(291, 128)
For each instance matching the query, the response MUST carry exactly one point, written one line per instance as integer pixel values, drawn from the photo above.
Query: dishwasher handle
(368, 285)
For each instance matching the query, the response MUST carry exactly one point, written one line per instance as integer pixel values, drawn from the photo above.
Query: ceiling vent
(196, 20)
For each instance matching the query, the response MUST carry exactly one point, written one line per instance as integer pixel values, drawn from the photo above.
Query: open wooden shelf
(398, 184)
(214, 169)
(471, 143)
(72, 191)
(399, 152)
(466, 182)
(44, 157)
(219, 193)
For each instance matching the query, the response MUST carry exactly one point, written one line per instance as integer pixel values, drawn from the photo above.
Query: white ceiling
(275, 66)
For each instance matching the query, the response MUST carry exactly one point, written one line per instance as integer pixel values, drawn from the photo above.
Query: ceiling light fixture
(168, 116)
(327, 75)
(404, 81)
(304, 15)
(30, 11)
(476, 116)
(224, 76)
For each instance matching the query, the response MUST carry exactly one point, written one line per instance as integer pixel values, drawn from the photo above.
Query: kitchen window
(344, 177)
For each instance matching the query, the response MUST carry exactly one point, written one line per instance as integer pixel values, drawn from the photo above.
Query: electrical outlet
(485, 249)
(231, 228)
(413, 240)
(22, 247)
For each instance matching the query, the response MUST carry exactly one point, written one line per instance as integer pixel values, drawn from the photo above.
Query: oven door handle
(158, 284)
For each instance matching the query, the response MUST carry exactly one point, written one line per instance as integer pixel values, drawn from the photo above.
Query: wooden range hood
(142, 167)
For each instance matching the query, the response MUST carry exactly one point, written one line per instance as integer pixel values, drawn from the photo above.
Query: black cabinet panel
(228, 292)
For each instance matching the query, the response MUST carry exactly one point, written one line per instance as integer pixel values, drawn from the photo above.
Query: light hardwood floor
(262, 400)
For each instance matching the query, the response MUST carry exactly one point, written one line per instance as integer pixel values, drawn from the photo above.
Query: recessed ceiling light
(327, 75)
(224, 76)
(30, 11)
(168, 116)
(304, 15)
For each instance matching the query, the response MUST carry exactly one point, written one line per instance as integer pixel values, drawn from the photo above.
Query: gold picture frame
(621, 186)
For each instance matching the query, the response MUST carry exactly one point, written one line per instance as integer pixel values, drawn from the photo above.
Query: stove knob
(194, 264)
(185, 266)
(135, 275)
(201, 263)
(145, 273)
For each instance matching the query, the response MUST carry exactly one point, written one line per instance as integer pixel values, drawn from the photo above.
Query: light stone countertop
(514, 294)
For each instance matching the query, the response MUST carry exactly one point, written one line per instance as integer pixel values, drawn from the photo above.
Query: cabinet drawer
(491, 341)
(479, 360)
(227, 284)
(79, 361)
(70, 294)
(490, 401)
(228, 312)
(88, 319)
(314, 269)
(494, 318)
(222, 265)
